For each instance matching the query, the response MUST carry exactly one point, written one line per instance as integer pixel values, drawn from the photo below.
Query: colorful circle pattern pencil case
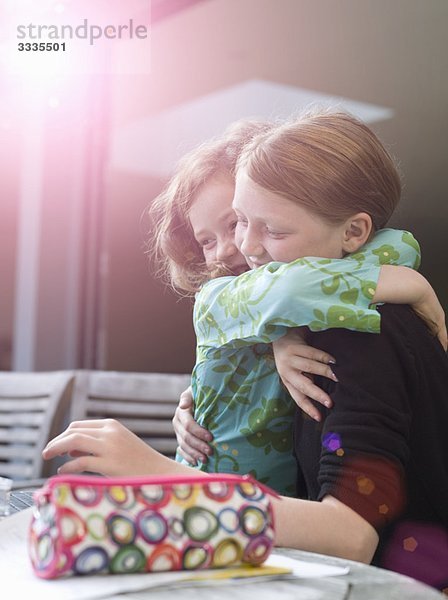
(88, 525)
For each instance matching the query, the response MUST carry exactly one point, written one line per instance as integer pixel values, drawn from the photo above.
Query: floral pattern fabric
(237, 392)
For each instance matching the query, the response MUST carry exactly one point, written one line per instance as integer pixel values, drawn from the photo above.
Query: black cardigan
(383, 448)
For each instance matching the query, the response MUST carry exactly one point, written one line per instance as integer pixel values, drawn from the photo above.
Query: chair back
(32, 409)
(143, 402)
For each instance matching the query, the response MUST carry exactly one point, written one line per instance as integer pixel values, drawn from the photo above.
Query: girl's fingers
(307, 407)
(79, 425)
(184, 424)
(71, 442)
(309, 389)
(191, 460)
(192, 448)
(304, 351)
(303, 383)
(89, 423)
(305, 365)
(198, 434)
(195, 446)
(303, 402)
(192, 439)
(186, 399)
(79, 465)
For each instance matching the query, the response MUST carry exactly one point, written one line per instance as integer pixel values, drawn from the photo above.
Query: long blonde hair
(329, 162)
(171, 241)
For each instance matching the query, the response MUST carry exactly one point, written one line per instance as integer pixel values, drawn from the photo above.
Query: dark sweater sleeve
(365, 437)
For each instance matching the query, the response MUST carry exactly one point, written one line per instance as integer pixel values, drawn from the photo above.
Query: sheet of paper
(304, 569)
(16, 572)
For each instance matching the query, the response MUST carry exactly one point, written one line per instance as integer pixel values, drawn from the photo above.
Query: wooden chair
(143, 402)
(32, 410)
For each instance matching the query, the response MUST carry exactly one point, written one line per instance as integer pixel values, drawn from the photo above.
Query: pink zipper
(154, 480)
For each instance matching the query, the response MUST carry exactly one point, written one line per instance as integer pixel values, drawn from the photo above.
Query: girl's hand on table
(104, 446)
(192, 439)
(296, 364)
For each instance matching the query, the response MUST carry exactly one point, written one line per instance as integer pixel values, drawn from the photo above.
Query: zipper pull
(41, 496)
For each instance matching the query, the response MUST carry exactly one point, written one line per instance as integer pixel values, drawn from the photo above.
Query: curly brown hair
(171, 242)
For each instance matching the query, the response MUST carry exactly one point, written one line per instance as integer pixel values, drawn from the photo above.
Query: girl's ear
(356, 232)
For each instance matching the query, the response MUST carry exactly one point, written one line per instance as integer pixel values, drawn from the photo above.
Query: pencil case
(86, 524)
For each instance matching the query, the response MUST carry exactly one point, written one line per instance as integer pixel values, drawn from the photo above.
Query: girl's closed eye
(275, 234)
(207, 244)
(241, 221)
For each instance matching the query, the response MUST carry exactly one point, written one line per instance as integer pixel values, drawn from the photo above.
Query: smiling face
(213, 222)
(272, 228)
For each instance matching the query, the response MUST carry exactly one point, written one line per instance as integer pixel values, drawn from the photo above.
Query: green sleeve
(258, 306)
(390, 247)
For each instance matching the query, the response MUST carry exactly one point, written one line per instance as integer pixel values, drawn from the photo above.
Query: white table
(363, 582)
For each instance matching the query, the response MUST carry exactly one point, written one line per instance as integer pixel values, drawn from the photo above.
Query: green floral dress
(237, 393)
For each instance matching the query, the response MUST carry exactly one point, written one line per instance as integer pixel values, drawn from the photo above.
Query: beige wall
(387, 53)
(149, 328)
(9, 194)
